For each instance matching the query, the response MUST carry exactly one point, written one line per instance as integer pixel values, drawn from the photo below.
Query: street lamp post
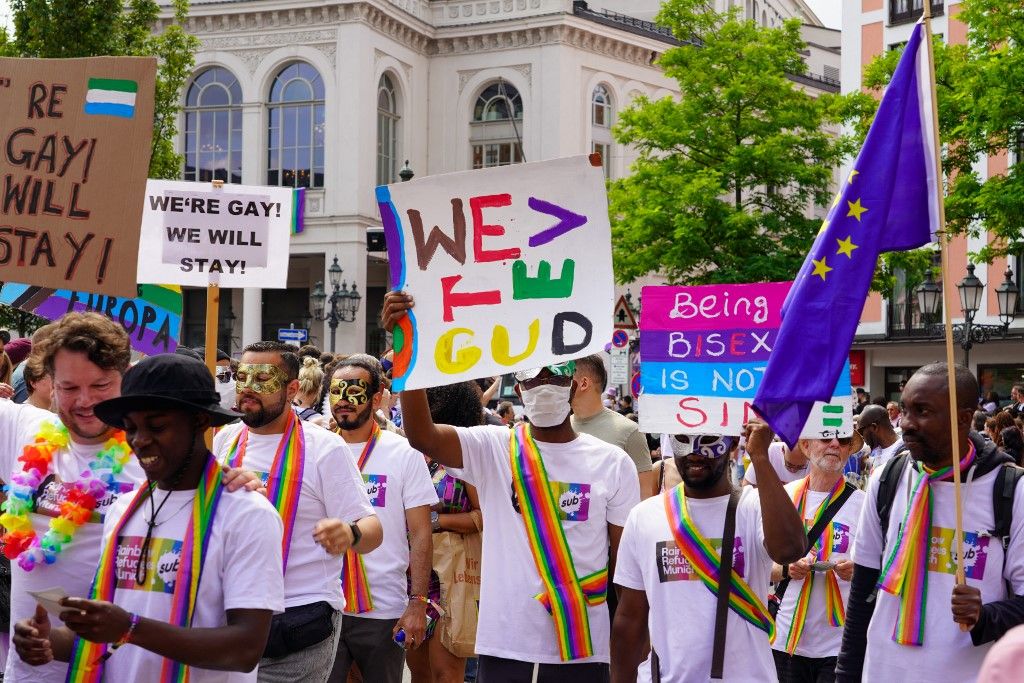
(343, 302)
(971, 290)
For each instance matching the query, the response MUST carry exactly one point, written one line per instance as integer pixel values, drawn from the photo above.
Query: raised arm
(784, 535)
(438, 442)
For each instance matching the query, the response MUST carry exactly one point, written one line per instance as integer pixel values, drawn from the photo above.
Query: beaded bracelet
(134, 620)
(427, 601)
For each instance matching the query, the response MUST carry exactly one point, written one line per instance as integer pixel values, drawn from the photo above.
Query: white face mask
(546, 405)
(227, 394)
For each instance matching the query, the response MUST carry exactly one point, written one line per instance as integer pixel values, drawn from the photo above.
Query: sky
(829, 11)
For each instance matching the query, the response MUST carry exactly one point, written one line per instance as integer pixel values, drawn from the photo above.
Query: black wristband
(356, 533)
(785, 571)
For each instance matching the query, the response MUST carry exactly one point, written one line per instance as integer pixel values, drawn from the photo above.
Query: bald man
(876, 429)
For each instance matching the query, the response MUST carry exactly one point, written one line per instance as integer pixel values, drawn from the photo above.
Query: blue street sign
(292, 335)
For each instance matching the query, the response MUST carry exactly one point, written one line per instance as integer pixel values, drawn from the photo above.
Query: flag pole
(947, 287)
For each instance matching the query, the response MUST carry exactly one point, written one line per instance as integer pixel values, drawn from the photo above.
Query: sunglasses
(843, 440)
(225, 376)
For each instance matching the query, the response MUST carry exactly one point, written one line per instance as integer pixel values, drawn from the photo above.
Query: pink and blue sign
(704, 353)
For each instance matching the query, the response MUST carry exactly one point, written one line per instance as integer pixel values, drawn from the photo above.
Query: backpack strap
(888, 482)
(1002, 500)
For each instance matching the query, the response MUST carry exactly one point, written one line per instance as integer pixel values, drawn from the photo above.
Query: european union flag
(889, 202)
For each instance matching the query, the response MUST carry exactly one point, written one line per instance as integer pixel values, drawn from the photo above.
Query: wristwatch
(435, 521)
(356, 533)
(785, 571)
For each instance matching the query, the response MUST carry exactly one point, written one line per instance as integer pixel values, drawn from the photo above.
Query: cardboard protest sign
(703, 353)
(152, 319)
(510, 268)
(236, 235)
(76, 141)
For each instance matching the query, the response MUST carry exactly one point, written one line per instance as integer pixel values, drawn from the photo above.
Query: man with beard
(669, 564)
(813, 590)
(379, 600)
(876, 429)
(919, 625)
(318, 492)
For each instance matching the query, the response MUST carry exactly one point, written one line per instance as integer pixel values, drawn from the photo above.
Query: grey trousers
(312, 664)
(367, 642)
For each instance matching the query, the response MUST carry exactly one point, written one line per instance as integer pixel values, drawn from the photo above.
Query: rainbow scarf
(833, 598)
(705, 561)
(284, 483)
(549, 547)
(86, 657)
(354, 581)
(906, 572)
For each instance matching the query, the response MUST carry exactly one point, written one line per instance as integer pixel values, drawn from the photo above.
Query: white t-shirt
(777, 452)
(681, 619)
(76, 564)
(397, 479)
(331, 488)
(242, 570)
(598, 486)
(880, 456)
(948, 653)
(819, 639)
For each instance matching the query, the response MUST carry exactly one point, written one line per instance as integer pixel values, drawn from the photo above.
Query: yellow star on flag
(853, 173)
(820, 268)
(846, 247)
(856, 210)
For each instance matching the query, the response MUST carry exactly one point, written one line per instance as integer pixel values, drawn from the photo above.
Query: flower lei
(20, 541)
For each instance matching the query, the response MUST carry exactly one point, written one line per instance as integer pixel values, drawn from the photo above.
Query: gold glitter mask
(259, 378)
(352, 390)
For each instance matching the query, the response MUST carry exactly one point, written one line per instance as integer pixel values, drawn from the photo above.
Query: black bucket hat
(166, 381)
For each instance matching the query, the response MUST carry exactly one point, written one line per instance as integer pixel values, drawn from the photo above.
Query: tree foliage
(726, 173)
(85, 28)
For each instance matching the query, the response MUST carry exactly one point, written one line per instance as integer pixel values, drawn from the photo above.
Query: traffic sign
(620, 338)
(620, 367)
(623, 316)
(292, 335)
(634, 386)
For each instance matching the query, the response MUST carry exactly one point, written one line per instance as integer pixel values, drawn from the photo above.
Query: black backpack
(1002, 496)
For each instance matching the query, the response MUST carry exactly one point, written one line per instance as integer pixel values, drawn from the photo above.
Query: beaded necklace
(21, 542)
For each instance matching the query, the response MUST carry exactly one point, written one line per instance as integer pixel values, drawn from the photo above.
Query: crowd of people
(332, 531)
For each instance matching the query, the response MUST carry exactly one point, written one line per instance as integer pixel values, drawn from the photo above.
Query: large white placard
(510, 268)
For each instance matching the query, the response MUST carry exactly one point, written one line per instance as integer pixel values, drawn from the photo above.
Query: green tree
(727, 172)
(85, 28)
(24, 323)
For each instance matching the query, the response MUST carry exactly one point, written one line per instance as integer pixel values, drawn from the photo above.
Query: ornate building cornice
(252, 33)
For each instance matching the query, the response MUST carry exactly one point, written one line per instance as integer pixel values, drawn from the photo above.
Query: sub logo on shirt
(976, 549)
(376, 489)
(672, 566)
(572, 500)
(53, 492)
(164, 557)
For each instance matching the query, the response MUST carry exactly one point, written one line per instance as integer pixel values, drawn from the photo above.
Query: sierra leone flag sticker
(111, 97)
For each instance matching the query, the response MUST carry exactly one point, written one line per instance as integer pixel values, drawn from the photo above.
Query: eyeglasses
(843, 440)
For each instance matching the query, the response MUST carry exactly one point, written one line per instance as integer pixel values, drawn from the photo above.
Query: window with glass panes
(295, 149)
(213, 127)
(496, 128)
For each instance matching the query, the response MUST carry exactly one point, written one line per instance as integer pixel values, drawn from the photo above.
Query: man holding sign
(554, 501)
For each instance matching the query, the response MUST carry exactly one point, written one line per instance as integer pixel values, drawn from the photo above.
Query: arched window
(600, 126)
(387, 131)
(496, 130)
(295, 149)
(213, 127)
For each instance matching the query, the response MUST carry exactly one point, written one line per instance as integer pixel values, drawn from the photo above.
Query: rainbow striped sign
(703, 355)
(152, 319)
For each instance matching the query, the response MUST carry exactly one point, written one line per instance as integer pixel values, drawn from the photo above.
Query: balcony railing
(906, 11)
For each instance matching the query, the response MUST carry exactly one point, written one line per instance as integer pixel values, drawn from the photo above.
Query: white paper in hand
(49, 598)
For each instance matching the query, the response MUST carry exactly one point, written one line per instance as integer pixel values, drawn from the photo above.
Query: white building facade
(335, 96)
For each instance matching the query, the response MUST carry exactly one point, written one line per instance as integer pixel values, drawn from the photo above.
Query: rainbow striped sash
(86, 666)
(833, 598)
(906, 572)
(284, 483)
(704, 560)
(595, 590)
(354, 582)
(549, 547)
